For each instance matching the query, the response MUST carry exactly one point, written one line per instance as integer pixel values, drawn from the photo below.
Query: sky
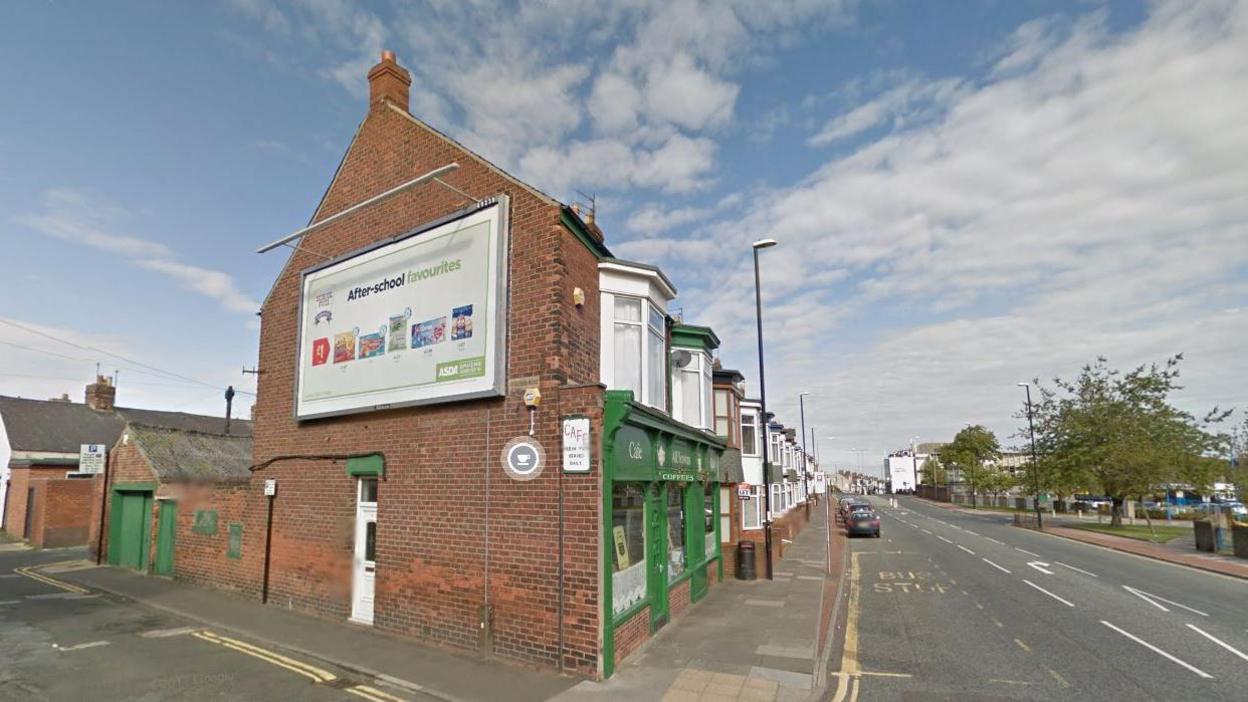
(965, 195)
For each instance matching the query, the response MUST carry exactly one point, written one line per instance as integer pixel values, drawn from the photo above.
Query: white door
(364, 563)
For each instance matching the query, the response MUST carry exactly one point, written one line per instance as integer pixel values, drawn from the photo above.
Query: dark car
(849, 503)
(863, 522)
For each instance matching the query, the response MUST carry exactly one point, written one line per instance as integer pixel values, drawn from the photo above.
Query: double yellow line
(316, 675)
(68, 587)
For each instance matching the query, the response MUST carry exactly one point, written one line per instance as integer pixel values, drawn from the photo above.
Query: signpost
(576, 446)
(91, 458)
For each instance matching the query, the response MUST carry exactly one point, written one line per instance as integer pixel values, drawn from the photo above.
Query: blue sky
(966, 194)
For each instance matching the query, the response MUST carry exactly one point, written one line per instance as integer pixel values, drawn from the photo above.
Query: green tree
(995, 481)
(971, 450)
(1119, 432)
(933, 472)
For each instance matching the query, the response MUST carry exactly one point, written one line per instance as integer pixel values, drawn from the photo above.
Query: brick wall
(631, 634)
(678, 599)
(454, 532)
(125, 465)
(62, 511)
(21, 478)
(202, 558)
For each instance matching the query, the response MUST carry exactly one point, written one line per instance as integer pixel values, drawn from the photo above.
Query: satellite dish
(681, 358)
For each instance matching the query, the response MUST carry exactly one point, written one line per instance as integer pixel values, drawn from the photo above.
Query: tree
(933, 472)
(994, 481)
(1118, 431)
(971, 449)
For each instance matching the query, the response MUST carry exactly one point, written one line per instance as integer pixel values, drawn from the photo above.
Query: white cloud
(214, 284)
(902, 105)
(73, 216)
(614, 103)
(678, 164)
(681, 93)
(1084, 197)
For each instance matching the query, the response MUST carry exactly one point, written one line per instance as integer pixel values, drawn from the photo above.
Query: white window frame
(753, 421)
(757, 501)
(699, 366)
(648, 337)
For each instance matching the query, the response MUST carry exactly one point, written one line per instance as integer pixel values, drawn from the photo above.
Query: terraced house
(475, 426)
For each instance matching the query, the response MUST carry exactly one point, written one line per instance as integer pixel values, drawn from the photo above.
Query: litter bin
(745, 561)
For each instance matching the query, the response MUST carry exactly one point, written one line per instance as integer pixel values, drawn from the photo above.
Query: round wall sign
(523, 458)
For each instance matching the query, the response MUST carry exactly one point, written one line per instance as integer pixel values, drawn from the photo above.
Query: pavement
(951, 605)
(755, 641)
(124, 600)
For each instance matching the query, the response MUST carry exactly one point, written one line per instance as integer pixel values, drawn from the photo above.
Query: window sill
(617, 620)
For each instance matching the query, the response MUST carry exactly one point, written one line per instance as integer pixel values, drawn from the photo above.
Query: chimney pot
(389, 81)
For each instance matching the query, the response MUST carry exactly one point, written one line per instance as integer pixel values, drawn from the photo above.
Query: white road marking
(966, 549)
(1029, 553)
(163, 633)
(1153, 600)
(9, 602)
(1223, 644)
(79, 647)
(1158, 651)
(1040, 566)
(943, 539)
(1077, 570)
(970, 532)
(994, 540)
(994, 565)
(1066, 602)
(925, 531)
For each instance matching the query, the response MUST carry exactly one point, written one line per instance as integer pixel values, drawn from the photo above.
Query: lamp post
(1035, 467)
(801, 403)
(762, 399)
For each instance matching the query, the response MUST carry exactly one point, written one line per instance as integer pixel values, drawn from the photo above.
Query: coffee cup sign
(523, 458)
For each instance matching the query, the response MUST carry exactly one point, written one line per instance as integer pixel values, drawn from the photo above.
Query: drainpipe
(99, 537)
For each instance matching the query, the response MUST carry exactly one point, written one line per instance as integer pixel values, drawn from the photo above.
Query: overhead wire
(140, 364)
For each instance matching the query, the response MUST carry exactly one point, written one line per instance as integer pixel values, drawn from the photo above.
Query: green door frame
(656, 554)
(115, 516)
(695, 539)
(166, 533)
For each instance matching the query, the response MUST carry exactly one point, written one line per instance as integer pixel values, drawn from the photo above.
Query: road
(949, 605)
(58, 642)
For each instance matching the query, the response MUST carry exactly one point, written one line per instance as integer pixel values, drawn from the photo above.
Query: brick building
(43, 494)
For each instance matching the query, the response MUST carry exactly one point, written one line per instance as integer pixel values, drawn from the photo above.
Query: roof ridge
(177, 430)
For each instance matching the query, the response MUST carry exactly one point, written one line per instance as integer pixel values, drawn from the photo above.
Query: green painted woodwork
(692, 336)
(634, 437)
(166, 532)
(235, 548)
(130, 529)
(205, 522)
(373, 465)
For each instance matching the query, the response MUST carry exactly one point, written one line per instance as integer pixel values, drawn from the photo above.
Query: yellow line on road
(68, 587)
(373, 693)
(316, 674)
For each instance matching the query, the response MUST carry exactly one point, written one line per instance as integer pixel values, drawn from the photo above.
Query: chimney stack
(101, 394)
(389, 81)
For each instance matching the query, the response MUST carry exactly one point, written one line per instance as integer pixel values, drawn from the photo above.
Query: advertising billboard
(417, 319)
(901, 473)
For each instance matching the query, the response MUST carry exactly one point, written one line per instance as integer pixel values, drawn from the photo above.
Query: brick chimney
(389, 81)
(101, 394)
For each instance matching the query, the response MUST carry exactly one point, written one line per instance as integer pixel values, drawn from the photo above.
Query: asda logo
(461, 369)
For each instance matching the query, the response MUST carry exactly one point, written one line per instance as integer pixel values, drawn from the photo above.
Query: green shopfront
(660, 520)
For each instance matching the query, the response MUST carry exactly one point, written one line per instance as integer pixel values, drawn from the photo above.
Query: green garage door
(130, 529)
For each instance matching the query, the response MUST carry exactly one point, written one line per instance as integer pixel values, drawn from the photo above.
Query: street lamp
(801, 397)
(1035, 467)
(762, 398)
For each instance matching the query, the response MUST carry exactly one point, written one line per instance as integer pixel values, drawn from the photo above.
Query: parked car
(849, 502)
(863, 522)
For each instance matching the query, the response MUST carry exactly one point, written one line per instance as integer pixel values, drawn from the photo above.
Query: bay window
(752, 510)
(691, 387)
(639, 341)
(749, 434)
(723, 414)
(676, 556)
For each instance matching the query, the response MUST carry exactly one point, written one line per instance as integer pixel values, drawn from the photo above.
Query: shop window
(708, 509)
(677, 559)
(628, 536)
(725, 513)
(749, 435)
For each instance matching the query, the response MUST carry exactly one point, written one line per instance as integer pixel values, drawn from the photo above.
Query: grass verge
(1164, 533)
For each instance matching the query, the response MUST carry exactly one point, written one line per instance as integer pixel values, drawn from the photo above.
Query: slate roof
(179, 455)
(62, 427)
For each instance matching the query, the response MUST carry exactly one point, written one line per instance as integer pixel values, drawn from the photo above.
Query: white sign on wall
(91, 458)
(821, 483)
(576, 447)
(270, 487)
(416, 320)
